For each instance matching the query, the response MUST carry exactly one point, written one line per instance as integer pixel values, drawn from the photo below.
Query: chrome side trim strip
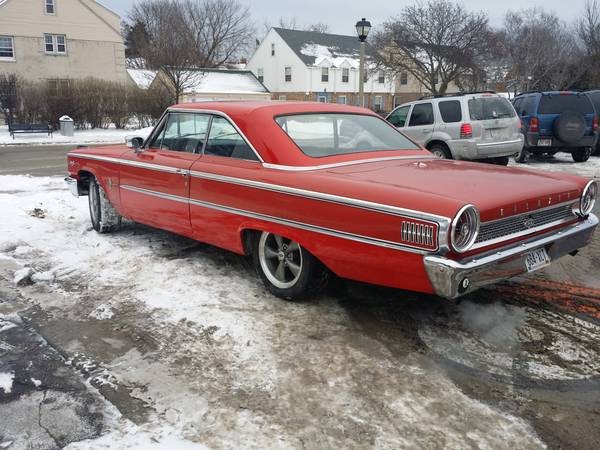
(280, 221)
(364, 204)
(127, 162)
(493, 144)
(162, 195)
(341, 164)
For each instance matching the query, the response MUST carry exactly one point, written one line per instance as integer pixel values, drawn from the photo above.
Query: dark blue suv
(555, 122)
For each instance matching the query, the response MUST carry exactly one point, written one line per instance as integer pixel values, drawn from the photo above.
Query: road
(40, 160)
(172, 331)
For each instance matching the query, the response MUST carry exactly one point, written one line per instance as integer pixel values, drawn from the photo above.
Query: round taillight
(588, 199)
(465, 228)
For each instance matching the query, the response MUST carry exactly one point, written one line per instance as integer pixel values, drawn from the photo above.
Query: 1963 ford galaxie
(311, 189)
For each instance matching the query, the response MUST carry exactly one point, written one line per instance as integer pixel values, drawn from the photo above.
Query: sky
(341, 15)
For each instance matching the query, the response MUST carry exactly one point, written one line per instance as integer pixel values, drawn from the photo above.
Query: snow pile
(562, 162)
(6, 381)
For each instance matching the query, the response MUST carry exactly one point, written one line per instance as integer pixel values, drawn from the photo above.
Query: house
(59, 40)
(207, 84)
(307, 65)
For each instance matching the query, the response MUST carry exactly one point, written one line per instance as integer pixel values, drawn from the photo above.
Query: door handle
(427, 130)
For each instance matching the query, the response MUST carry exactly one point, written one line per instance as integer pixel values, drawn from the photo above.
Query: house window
(378, 103)
(381, 77)
(345, 75)
(435, 78)
(50, 7)
(322, 99)
(288, 74)
(260, 74)
(7, 47)
(282, 97)
(56, 86)
(55, 43)
(324, 74)
(404, 77)
(272, 49)
(341, 99)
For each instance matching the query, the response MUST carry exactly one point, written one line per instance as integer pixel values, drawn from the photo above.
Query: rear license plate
(537, 259)
(544, 142)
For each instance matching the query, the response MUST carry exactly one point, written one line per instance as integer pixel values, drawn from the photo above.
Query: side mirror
(135, 143)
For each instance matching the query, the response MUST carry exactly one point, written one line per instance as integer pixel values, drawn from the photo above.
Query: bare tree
(541, 50)
(10, 87)
(185, 35)
(436, 41)
(588, 31)
(318, 27)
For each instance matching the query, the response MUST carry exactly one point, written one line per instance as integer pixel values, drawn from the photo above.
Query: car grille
(521, 223)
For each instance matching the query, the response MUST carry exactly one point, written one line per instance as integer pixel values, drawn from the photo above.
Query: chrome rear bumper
(447, 275)
(73, 186)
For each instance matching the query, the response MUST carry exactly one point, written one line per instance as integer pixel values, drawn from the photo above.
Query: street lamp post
(362, 29)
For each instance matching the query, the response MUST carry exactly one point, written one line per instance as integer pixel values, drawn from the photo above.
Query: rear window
(450, 111)
(486, 108)
(558, 103)
(595, 96)
(331, 134)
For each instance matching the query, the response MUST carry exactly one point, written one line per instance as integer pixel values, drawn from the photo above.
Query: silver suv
(476, 126)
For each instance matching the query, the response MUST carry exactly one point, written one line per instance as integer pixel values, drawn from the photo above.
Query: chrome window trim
(226, 117)
(281, 221)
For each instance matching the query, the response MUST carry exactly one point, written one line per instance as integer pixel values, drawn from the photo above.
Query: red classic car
(311, 189)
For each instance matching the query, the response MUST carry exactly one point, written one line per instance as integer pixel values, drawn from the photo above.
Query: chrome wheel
(439, 153)
(280, 259)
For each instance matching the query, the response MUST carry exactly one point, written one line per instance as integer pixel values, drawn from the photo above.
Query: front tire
(581, 154)
(287, 269)
(103, 215)
(441, 151)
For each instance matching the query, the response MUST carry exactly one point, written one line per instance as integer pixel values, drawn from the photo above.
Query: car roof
(237, 108)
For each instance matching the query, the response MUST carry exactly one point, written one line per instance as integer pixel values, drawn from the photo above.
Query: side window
(398, 117)
(422, 114)
(224, 140)
(184, 132)
(528, 106)
(450, 111)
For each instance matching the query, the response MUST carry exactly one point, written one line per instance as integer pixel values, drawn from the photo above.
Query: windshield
(486, 108)
(559, 103)
(319, 135)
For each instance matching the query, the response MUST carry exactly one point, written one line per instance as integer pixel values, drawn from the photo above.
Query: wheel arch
(433, 142)
(83, 181)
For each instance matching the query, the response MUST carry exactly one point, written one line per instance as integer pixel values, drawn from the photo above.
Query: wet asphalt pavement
(529, 348)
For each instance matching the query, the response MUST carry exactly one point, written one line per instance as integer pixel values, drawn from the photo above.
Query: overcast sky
(341, 15)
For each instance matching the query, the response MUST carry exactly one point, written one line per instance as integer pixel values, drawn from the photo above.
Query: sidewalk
(81, 137)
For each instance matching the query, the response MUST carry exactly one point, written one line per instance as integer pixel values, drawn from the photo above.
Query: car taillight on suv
(595, 124)
(466, 131)
(534, 125)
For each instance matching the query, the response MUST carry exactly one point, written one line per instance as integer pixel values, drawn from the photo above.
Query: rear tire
(103, 215)
(500, 161)
(522, 156)
(287, 269)
(441, 151)
(581, 154)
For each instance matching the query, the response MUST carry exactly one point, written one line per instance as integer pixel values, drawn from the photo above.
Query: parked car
(473, 126)
(311, 189)
(557, 122)
(595, 98)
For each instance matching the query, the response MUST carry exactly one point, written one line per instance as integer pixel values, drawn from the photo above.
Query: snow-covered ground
(80, 137)
(235, 367)
(562, 162)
